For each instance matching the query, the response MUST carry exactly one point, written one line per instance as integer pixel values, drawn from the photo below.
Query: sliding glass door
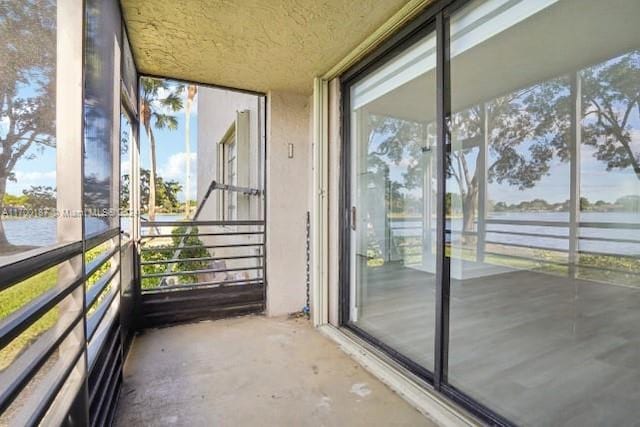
(392, 225)
(544, 185)
(504, 268)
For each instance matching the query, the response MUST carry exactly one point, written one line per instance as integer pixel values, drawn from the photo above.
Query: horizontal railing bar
(186, 248)
(610, 225)
(97, 344)
(231, 233)
(178, 260)
(151, 224)
(526, 222)
(110, 352)
(190, 272)
(94, 292)
(518, 233)
(98, 239)
(608, 239)
(550, 236)
(28, 372)
(24, 268)
(201, 285)
(26, 316)
(44, 404)
(94, 321)
(113, 405)
(95, 265)
(103, 410)
(105, 389)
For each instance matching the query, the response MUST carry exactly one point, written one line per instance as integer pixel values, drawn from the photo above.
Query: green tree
(166, 192)
(40, 197)
(611, 93)
(158, 101)
(27, 84)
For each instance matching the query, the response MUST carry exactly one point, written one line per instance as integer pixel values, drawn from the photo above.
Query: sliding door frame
(435, 18)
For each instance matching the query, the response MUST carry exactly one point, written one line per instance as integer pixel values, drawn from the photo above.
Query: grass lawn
(18, 296)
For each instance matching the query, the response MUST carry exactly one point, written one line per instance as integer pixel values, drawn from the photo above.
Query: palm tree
(158, 100)
(191, 92)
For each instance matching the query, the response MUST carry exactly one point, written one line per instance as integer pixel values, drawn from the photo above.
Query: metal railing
(178, 255)
(498, 233)
(73, 313)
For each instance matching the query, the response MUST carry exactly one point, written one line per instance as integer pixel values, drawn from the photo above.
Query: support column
(574, 188)
(69, 173)
(288, 185)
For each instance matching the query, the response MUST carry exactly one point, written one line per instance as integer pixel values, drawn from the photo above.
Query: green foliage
(15, 298)
(165, 252)
(40, 197)
(166, 192)
(20, 295)
(11, 200)
(630, 203)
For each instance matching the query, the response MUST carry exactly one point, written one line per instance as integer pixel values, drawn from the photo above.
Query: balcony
(388, 212)
(234, 371)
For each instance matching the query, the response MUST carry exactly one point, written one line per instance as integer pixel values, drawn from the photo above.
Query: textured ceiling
(258, 45)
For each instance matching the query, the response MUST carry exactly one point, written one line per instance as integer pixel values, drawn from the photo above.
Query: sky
(170, 152)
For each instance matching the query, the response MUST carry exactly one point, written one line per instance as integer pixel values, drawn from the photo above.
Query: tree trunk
(3, 191)
(152, 175)
(187, 149)
(469, 206)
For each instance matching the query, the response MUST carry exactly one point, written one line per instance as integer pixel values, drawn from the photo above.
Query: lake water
(42, 231)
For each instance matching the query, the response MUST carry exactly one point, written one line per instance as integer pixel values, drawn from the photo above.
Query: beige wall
(288, 199)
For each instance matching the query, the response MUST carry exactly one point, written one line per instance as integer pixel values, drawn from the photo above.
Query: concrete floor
(252, 371)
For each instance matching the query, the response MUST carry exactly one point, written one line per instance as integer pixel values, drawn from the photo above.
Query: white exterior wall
(288, 200)
(217, 111)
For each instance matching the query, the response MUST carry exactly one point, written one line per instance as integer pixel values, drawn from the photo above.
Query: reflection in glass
(126, 151)
(543, 208)
(102, 19)
(27, 125)
(393, 203)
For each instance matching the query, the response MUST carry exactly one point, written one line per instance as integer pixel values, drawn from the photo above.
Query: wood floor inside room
(539, 349)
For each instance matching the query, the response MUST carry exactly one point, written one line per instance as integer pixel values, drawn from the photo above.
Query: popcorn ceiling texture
(258, 45)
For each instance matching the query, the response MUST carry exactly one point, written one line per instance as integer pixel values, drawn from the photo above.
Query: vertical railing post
(481, 229)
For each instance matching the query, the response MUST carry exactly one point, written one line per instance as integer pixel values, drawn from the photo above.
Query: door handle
(353, 218)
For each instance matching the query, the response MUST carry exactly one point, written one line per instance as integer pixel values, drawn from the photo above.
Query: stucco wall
(288, 197)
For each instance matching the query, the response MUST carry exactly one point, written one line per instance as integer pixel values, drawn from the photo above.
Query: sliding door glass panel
(393, 184)
(543, 209)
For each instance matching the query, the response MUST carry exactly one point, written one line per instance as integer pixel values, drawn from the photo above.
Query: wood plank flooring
(539, 349)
